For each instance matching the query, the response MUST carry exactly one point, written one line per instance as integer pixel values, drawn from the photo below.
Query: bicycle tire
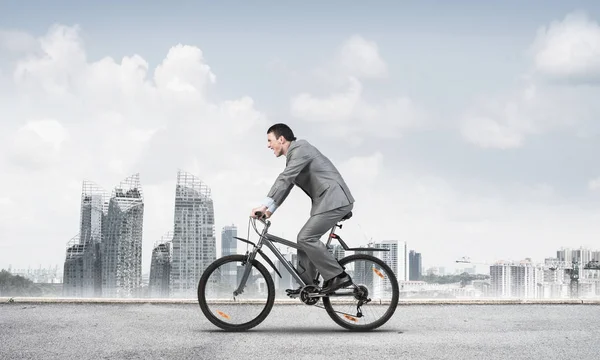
(393, 305)
(216, 321)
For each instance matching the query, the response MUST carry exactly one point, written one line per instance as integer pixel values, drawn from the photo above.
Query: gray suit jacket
(314, 173)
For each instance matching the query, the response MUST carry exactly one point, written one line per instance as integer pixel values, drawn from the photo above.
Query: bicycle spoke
(375, 300)
(241, 311)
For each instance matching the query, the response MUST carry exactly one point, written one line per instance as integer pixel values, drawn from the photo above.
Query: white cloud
(38, 143)
(445, 220)
(594, 184)
(499, 123)
(488, 133)
(360, 57)
(104, 120)
(122, 116)
(347, 113)
(59, 64)
(569, 49)
(184, 69)
(506, 121)
(17, 42)
(49, 130)
(362, 169)
(335, 107)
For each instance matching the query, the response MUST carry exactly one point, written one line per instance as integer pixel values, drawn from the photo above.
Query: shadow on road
(302, 330)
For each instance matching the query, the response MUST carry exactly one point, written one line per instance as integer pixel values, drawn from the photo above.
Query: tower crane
(571, 268)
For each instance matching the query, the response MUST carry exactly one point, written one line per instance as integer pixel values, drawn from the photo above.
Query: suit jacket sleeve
(285, 181)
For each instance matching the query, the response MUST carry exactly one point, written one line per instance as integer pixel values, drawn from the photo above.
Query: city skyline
(468, 134)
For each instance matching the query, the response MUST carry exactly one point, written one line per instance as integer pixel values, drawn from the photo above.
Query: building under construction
(160, 267)
(73, 268)
(82, 268)
(194, 242)
(121, 250)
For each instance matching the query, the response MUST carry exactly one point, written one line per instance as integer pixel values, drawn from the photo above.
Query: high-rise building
(414, 260)
(337, 251)
(87, 267)
(93, 213)
(500, 280)
(286, 281)
(73, 269)
(121, 250)
(160, 267)
(581, 257)
(194, 242)
(526, 278)
(516, 280)
(229, 247)
(228, 241)
(396, 258)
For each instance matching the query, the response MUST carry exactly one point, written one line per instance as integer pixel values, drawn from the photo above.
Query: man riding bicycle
(307, 168)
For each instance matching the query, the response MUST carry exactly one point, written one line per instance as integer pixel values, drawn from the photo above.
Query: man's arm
(285, 181)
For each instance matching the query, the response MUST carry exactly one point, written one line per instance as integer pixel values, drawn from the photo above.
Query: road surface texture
(180, 331)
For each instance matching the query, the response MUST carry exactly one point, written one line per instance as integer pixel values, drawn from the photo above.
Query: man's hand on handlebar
(260, 211)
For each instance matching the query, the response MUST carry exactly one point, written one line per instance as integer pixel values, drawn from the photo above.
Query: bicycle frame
(268, 240)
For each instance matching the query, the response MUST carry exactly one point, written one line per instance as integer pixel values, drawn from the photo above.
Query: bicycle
(370, 284)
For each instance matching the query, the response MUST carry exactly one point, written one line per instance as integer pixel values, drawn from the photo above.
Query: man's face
(275, 144)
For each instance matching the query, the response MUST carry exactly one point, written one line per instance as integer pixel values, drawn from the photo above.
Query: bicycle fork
(247, 263)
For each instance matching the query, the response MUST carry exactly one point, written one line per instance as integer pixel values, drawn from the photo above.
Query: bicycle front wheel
(227, 311)
(377, 297)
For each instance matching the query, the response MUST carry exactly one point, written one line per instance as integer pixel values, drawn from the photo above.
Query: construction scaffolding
(73, 268)
(93, 214)
(121, 250)
(194, 241)
(160, 267)
(93, 209)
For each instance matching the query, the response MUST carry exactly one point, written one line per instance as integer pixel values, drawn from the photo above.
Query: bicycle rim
(377, 278)
(241, 312)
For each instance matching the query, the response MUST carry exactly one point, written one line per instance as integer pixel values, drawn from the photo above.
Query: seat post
(329, 237)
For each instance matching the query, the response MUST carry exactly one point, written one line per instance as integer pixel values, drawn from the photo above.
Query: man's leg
(306, 268)
(313, 254)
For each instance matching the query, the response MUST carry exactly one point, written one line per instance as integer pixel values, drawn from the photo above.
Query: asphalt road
(179, 331)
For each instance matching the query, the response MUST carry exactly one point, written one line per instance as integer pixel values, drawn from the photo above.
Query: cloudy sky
(464, 129)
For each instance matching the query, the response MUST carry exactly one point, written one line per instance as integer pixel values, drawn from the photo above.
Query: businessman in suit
(331, 199)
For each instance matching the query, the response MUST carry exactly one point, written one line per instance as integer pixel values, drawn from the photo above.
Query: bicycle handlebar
(260, 216)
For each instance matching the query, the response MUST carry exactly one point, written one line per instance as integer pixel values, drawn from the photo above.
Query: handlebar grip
(259, 214)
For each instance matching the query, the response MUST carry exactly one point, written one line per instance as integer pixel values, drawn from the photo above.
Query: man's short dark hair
(282, 130)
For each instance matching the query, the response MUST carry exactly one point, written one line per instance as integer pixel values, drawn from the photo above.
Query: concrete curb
(401, 302)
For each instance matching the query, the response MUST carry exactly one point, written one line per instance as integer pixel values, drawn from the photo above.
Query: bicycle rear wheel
(241, 312)
(378, 283)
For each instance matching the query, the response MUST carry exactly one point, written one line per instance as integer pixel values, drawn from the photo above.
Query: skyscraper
(520, 280)
(160, 267)
(194, 242)
(82, 273)
(501, 280)
(229, 247)
(396, 258)
(122, 240)
(414, 259)
(73, 268)
(228, 241)
(93, 215)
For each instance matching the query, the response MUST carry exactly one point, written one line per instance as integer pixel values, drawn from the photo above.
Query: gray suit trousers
(313, 254)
